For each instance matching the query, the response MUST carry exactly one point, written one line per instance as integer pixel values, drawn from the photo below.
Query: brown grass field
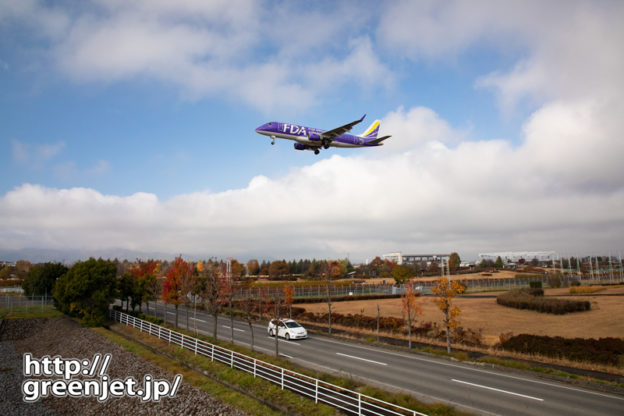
(605, 319)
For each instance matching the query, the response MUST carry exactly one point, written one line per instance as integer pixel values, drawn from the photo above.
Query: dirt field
(605, 319)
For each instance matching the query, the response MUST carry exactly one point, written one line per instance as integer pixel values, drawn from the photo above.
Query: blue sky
(120, 118)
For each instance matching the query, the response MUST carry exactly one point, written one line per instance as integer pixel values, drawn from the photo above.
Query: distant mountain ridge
(70, 256)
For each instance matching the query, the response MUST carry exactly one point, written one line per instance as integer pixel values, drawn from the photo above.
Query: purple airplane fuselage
(309, 138)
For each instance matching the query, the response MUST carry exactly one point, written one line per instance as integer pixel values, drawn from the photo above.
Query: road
(469, 387)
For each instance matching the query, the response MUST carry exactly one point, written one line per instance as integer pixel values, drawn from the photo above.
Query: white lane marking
(465, 367)
(287, 356)
(360, 358)
(171, 313)
(199, 320)
(235, 329)
(498, 390)
(286, 341)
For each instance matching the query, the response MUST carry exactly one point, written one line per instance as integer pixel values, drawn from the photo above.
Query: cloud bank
(432, 188)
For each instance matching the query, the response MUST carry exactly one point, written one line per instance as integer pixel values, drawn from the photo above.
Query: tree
(402, 274)
(498, 263)
(86, 290)
(445, 291)
(238, 270)
(325, 272)
(22, 267)
(145, 285)
(411, 308)
(278, 269)
(41, 279)
(209, 275)
(125, 288)
(253, 268)
(250, 306)
(289, 293)
(174, 286)
(454, 262)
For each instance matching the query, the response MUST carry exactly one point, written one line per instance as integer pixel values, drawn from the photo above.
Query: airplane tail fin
(371, 132)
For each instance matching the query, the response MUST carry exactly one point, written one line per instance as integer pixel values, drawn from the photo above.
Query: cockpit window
(270, 124)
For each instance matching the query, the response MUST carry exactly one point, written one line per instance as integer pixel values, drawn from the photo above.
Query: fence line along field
(605, 319)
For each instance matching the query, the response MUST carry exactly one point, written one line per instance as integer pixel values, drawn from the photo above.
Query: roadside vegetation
(263, 390)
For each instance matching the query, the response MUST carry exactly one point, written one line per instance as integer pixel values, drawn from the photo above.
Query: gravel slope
(64, 337)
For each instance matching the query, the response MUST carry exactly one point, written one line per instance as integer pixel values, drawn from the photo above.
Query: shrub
(535, 284)
(525, 299)
(604, 350)
(554, 282)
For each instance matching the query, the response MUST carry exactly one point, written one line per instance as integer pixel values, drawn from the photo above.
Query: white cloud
(212, 48)
(434, 194)
(35, 155)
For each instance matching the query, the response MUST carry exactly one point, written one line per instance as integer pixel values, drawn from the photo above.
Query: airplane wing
(329, 135)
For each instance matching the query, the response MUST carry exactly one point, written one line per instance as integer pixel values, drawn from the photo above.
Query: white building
(400, 258)
(515, 256)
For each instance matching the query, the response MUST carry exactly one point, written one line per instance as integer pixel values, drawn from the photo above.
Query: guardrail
(318, 390)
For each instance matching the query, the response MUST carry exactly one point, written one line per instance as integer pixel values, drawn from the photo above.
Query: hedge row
(609, 351)
(393, 325)
(524, 299)
(323, 298)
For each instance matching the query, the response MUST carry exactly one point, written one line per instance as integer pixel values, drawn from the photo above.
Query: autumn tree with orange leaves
(176, 283)
(445, 290)
(289, 294)
(145, 284)
(411, 308)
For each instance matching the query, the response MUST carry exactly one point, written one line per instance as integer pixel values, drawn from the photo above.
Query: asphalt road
(469, 387)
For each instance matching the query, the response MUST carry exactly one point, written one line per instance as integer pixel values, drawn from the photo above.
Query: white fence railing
(318, 390)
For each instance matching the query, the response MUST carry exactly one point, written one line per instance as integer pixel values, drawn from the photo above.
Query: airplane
(309, 138)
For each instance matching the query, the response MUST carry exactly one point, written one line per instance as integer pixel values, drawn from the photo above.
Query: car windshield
(292, 324)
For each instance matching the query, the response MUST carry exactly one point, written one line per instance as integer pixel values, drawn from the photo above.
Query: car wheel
(270, 332)
(287, 336)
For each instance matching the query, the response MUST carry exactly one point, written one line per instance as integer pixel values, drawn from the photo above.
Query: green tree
(41, 279)
(86, 290)
(454, 262)
(402, 274)
(125, 289)
(498, 263)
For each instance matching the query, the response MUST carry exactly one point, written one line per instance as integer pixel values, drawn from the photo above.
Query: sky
(129, 124)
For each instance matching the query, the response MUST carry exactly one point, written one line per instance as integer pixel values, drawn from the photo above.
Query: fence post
(182, 341)
(195, 346)
(360, 404)
(282, 379)
(212, 354)
(232, 359)
(254, 373)
(169, 337)
(316, 393)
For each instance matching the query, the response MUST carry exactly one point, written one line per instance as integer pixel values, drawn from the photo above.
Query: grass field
(603, 320)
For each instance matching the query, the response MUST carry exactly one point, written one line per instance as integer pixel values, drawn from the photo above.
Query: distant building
(400, 258)
(517, 256)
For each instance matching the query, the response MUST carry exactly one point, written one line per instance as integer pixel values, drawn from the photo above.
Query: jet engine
(301, 146)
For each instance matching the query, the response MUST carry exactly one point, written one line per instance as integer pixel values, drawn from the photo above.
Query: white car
(287, 328)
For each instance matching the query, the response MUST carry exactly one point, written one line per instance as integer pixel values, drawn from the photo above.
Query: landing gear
(325, 143)
(316, 151)
(272, 139)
